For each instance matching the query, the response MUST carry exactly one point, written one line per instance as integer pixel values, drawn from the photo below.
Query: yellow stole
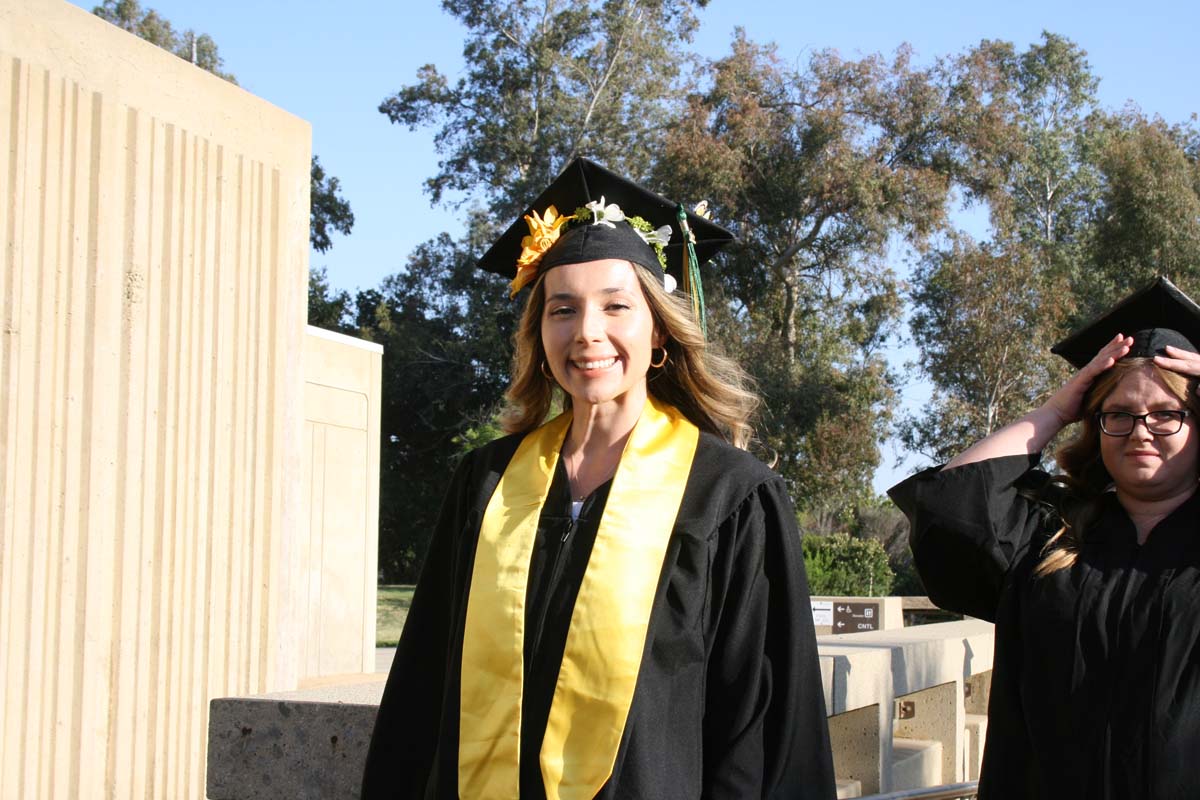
(608, 624)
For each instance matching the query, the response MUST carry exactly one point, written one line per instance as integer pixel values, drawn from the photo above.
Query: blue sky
(332, 64)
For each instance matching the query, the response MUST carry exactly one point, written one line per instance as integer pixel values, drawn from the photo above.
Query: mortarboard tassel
(691, 271)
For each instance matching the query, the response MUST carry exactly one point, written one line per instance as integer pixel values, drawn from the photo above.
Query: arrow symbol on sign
(841, 624)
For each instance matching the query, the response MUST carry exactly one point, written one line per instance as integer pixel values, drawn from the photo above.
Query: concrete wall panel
(340, 542)
(152, 288)
(937, 716)
(854, 737)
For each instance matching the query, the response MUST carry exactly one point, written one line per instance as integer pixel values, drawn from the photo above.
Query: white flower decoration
(605, 214)
(661, 237)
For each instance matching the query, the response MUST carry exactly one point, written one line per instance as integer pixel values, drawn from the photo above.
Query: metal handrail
(949, 791)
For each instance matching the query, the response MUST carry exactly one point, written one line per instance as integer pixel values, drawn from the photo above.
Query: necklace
(579, 489)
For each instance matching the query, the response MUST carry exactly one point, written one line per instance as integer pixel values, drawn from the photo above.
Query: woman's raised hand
(1067, 402)
(1034, 431)
(1181, 361)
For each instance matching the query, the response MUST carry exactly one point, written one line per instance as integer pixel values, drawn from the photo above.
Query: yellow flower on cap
(543, 233)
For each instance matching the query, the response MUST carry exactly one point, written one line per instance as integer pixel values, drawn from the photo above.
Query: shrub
(840, 564)
(881, 521)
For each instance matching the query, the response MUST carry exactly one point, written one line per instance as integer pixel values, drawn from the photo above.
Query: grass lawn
(391, 610)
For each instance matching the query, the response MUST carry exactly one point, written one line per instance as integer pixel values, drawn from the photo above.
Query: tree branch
(608, 73)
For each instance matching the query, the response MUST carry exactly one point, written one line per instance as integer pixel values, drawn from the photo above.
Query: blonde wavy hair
(1085, 478)
(712, 391)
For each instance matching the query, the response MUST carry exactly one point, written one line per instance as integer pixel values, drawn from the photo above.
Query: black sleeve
(765, 733)
(404, 740)
(970, 525)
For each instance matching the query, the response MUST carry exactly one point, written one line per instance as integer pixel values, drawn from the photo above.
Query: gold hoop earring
(546, 372)
(665, 358)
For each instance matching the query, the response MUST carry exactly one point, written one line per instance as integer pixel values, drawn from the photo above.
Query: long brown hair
(1084, 476)
(712, 391)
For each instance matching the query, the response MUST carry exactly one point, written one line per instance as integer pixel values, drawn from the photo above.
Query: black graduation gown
(1096, 676)
(728, 702)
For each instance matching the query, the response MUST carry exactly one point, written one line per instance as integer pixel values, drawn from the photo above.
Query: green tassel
(691, 271)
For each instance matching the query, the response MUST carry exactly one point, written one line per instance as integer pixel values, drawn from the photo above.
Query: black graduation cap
(1156, 316)
(583, 182)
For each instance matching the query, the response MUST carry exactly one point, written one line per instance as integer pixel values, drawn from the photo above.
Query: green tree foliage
(840, 564)
(544, 82)
(980, 323)
(818, 170)
(329, 308)
(1019, 123)
(879, 520)
(328, 210)
(985, 312)
(1147, 220)
(1084, 205)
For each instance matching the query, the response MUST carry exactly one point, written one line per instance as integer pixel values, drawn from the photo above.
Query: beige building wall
(152, 290)
(339, 545)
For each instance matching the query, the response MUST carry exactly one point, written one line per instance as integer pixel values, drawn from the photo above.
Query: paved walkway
(383, 658)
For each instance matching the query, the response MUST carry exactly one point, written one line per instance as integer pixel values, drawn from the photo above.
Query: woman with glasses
(1092, 575)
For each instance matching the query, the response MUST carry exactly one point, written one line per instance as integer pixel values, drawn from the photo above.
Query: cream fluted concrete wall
(339, 544)
(152, 287)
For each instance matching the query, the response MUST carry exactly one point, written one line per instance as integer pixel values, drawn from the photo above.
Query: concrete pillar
(339, 540)
(152, 300)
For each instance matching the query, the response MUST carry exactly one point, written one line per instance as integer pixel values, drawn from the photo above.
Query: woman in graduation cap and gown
(1092, 576)
(614, 603)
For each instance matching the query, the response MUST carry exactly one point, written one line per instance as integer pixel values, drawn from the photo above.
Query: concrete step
(847, 788)
(974, 735)
(383, 658)
(916, 763)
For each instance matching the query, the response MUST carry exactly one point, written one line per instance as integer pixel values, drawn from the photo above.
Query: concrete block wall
(339, 538)
(917, 764)
(304, 745)
(932, 722)
(154, 221)
(859, 699)
(854, 737)
(917, 659)
(872, 751)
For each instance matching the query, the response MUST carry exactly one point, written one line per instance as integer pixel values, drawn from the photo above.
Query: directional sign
(855, 617)
(822, 613)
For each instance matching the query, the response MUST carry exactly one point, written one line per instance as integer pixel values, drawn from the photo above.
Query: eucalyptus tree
(1084, 205)
(822, 169)
(985, 312)
(543, 82)
(1147, 219)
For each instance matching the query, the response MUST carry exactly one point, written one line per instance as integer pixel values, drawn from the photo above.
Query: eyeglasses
(1159, 423)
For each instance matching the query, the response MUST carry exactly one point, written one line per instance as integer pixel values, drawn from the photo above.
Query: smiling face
(1142, 465)
(597, 331)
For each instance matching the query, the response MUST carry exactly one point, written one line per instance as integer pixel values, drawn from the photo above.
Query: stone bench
(898, 702)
